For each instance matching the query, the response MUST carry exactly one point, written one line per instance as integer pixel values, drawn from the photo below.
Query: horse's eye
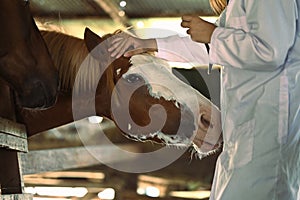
(133, 78)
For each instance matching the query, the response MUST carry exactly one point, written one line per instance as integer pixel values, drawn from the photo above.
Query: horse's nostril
(42, 96)
(187, 125)
(204, 121)
(39, 87)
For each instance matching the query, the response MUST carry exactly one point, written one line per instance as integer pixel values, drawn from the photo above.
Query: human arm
(127, 45)
(182, 49)
(173, 48)
(257, 35)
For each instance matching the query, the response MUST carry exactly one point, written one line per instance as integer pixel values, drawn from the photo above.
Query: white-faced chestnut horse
(141, 95)
(25, 63)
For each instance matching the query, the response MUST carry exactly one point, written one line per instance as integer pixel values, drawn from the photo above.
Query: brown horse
(140, 95)
(25, 63)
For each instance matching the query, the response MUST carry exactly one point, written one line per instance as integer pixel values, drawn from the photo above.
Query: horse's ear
(91, 39)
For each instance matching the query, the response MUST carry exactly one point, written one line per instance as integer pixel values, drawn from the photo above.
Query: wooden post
(13, 142)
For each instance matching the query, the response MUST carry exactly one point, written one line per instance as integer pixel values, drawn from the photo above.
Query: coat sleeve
(257, 34)
(182, 49)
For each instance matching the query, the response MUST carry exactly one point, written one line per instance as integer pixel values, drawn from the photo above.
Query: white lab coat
(258, 43)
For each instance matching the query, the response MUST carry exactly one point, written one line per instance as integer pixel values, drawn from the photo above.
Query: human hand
(127, 45)
(199, 29)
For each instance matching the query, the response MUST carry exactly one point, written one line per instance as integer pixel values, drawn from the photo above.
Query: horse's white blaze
(162, 83)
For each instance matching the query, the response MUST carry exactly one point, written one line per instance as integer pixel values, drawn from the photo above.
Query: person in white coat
(257, 43)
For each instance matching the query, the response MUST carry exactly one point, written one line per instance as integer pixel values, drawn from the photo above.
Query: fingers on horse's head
(97, 46)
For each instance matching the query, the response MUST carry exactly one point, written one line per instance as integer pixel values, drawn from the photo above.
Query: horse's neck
(70, 54)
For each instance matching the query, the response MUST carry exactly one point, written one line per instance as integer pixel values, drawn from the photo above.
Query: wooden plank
(35, 181)
(69, 158)
(12, 142)
(16, 197)
(71, 175)
(12, 128)
(13, 135)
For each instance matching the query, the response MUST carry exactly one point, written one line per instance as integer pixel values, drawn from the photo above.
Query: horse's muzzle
(39, 96)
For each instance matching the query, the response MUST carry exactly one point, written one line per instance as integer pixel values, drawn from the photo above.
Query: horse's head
(147, 102)
(25, 63)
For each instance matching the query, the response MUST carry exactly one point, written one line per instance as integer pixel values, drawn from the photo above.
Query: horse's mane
(69, 54)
